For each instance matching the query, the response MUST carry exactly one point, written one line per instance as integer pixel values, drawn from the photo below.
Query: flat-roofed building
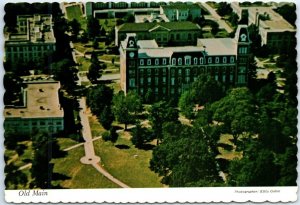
(33, 41)
(276, 33)
(41, 110)
(181, 11)
(165, 33)
(165, 72)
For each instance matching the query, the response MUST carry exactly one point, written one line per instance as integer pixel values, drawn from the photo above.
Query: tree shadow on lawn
(147, 147)
(122, 146)
(58, 176)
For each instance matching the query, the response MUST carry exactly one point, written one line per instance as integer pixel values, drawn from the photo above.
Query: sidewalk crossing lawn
(130, 166)
(74, 174)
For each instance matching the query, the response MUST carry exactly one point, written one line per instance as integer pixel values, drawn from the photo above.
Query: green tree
(106, 117)
(224, 8)
(65, 72)
(139, 135)
(75, 28)
(98, 98)
(237, 112)
(125, 108)
(183, 158)
(160, 113)
(93, 27)
(14, 178)
(187, 104)
(234, 19)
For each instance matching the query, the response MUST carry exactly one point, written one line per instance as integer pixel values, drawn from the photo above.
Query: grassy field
(108, 24)
(110, 57)
(130, 165)
(74, 12)
(84, 63)
(74, 174)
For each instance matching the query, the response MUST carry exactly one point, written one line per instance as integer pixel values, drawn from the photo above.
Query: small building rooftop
(41, 99)
(182, 6)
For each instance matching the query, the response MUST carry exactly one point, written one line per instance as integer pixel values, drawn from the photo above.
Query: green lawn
(74, 12)
(110, 23)
(77, 175)
(110, 57)
(84, 63)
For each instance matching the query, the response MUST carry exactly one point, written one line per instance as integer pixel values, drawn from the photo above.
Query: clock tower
(243, 55)
(131, 53)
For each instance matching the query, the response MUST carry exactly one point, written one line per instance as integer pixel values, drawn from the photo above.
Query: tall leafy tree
(126, 107)
(93, 27)
(75, 28)
(183, 159)
(160, 113)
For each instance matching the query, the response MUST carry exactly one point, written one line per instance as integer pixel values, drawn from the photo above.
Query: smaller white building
(181, 11)
(153, 17)
(41, 110)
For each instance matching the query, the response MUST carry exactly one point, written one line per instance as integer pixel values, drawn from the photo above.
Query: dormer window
(149, 62)
(141, 61)
(173, 61)
(217, 60)
(231, 59)
(156, 61)
(201, 60)
(164, 61)
(187, 60)
(179, 61)
(195, 61)
(224, 60)
(209, 60)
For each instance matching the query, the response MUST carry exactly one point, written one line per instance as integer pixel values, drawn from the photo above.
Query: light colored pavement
(80, 144)
(25, 166)
(90, 157)
(217, 17)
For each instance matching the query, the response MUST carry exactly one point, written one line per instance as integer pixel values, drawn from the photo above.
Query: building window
(187, 72)
(149, 62)
(131, 82)
(209, 60)
(224, 78)
(195, 61)
(241, 79)
(141, 72)
(242, 69)
(164, 61)
(156, 71)
(132, 63)
(149, 80)
(156, 80)
(156, 61)
(187, 60)
(224, 60)
(164, 71)
(201, 60)
(243, 50)
(217, 59)
(142, 90)
(156, 90)
(149, 71)
(141, 61)
(164, 90)
(172, 81)
(216, 77)
(231, 59)
(179, 71)
(164, 80)
(179, 61)
(174, 61)
(172, 72)
(179, 90)
(141, 81)
(187, 79)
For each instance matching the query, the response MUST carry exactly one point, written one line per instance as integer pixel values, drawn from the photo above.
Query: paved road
(218, 18)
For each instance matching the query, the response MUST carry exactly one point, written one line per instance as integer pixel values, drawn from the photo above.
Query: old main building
(165, 72)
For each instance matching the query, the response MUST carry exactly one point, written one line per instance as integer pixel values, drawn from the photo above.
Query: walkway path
(90, 157)
(218, 18)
